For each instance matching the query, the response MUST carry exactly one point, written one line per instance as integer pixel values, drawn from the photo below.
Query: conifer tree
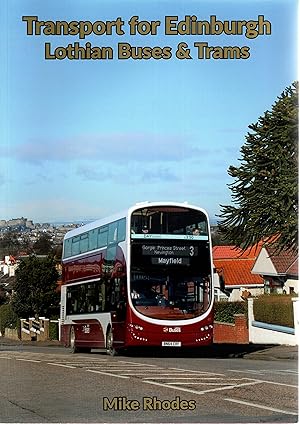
(264, 193)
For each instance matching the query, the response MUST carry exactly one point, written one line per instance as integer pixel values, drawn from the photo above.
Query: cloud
(159, 174)
(93, 174)
(40, 178)
(137, 174)
(119, 148)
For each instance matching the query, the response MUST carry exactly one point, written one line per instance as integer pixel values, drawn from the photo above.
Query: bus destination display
(169, 254)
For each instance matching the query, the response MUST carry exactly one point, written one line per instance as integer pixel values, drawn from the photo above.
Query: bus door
(118, 310)
(116, 272)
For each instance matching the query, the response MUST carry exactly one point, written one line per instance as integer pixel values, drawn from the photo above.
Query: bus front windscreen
(170, 263)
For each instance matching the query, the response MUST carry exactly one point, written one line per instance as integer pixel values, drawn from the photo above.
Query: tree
(57, 251)
(265, 187)
(8, 318)
(217, 239)
(3, 296)
(43, 245)
(26, 244)
(35, 287)
(9, 243)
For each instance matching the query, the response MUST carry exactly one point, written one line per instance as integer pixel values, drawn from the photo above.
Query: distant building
(30, 224)
(17, 224)
(278, 270)
(8, 266)
(233, 269)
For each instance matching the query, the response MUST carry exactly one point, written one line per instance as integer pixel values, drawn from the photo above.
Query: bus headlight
(136, 327)
(206, 327)
(134, 330)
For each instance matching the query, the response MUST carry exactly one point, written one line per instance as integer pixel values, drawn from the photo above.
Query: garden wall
(236, 333)
(260, 332)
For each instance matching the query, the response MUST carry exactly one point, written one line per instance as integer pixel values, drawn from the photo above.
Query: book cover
(105, 104)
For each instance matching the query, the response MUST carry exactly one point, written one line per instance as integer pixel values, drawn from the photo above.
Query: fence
(37, 329)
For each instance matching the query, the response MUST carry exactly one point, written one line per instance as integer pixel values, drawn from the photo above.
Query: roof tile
(237, 272)
(230, 252)
(283, 261)
(235, 264)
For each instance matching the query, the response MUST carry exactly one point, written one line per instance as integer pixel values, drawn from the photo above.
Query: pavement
(277, 352)
(247, 351)
(4, 341)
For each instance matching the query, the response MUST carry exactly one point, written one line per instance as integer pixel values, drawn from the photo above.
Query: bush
(225, 311)
(274, 309)
(8, 318)
(53, 330)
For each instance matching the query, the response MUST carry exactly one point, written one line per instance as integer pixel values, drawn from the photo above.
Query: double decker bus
(139, 278)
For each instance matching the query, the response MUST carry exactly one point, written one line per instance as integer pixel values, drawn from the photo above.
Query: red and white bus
(139, 278)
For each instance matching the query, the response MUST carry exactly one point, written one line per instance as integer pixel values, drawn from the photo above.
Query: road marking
(202, 391)
(81, 364)
(26, 360)
(78, 362)
(107, 373)
(138, 363)
(129, 371)
(277, 384)
(195, 371)
(5, 357)
(133, 368)
(256, 405)
(199, 383)
(159, 375)
(247, 372)
(291, 371)
(263, 372)
(171, 378)
(273, 382)
(86, 357)
(144, 366)
(60, 365)
(219, 379)
(283, 372)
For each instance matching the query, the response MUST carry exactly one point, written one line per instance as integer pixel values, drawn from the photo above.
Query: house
(278, 270)
(235, 281)
(7, 276)
(8, 266)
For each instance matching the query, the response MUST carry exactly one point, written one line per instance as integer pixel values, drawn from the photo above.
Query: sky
(83, 139)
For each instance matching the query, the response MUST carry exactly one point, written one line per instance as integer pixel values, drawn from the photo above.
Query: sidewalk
(9, 342)
(247, 351)
(269, 353)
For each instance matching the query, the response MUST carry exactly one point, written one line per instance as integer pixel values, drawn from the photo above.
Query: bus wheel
(72, 344)
(72, 341)
(110, 350)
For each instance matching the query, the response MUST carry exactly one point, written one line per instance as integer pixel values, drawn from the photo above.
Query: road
(53, 385)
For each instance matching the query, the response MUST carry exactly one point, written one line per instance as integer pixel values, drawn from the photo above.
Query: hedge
(225, 311)
(53, 330)
(274, 309)
(8, 318)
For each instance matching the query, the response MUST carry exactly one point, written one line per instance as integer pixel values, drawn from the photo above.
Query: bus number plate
(172, 344)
